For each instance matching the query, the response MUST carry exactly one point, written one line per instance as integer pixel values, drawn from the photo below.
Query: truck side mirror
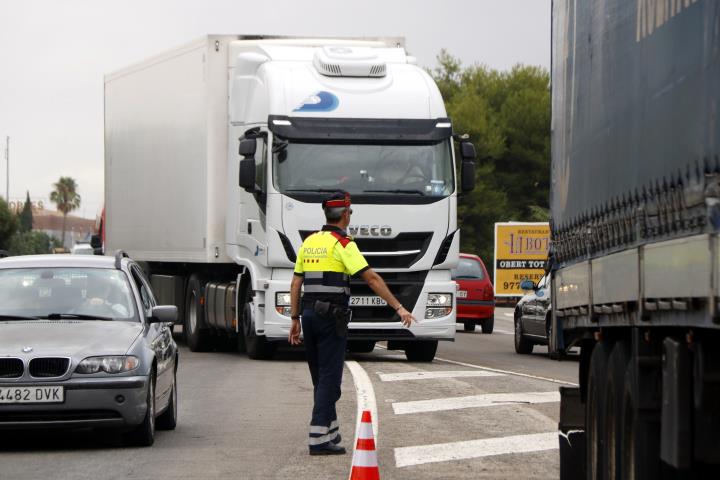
(247, 174)
(248, 146)
(96, 241)
(467, 151)
(467, 176)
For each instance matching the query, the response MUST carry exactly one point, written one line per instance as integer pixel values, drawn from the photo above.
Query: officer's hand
(294, 335)
(405, 316)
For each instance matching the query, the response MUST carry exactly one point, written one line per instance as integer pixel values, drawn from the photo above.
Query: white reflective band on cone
(365, 458)
(365, 431)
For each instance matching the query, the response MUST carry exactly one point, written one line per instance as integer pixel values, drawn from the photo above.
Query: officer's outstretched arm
(295, 285)
(378, 285)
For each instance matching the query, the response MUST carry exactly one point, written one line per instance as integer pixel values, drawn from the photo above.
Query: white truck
(219, 153)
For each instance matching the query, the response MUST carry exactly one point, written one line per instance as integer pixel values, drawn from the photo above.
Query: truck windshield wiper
(318, 190)
(17, 317)
(417, 192)
(78, 316)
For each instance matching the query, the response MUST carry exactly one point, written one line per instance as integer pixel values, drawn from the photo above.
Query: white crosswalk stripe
(423, 375)
(442, 452)
(474, 401)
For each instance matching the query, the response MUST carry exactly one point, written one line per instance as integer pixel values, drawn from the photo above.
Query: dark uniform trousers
(325, 352)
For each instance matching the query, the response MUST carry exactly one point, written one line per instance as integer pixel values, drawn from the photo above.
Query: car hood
(67, 337)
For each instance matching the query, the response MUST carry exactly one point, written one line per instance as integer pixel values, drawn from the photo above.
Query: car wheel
(487, 325)
(198, 339)
(522, 344)
(469, 326)
(168, 419)
(257, 346)
(361, 346)
(144, 434)
(421, 351)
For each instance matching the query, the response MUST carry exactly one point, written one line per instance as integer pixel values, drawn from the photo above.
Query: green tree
(30, 243)
(26, 216)
(66, 198)
(507, 115)
(8, 224)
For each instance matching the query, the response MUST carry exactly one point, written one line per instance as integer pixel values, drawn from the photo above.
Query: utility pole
(7, 171)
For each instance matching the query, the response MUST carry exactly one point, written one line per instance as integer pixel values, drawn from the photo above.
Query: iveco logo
(370, 230)
(27, 349)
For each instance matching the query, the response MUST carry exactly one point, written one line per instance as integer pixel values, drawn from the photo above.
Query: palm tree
(66, 198)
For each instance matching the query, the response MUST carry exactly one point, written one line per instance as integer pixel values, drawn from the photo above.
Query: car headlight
(108, 364)
(282, 303)
(438, 305)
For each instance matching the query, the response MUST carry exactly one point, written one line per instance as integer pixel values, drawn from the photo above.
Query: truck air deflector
(374, 130)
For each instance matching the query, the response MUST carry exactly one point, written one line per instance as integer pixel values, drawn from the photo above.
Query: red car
(475, 296)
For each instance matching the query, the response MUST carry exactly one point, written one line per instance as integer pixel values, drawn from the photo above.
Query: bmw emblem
(27, 349)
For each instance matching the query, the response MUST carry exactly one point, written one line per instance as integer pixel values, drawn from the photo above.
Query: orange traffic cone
(364, 462)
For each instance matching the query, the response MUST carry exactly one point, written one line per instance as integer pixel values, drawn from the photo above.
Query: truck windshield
(421, 170)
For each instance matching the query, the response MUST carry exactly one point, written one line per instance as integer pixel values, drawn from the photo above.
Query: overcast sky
(54, 54)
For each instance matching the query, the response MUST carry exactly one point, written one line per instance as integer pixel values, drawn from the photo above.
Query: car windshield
(55, 293)
(420, 170)
(468, 268)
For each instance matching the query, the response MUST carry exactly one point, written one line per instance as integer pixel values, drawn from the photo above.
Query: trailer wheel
(595, 438)
(257, 346)
(421, 351)
(639, 433)
(617, 366)
(197, 338)
(522, 344)
(468, 326)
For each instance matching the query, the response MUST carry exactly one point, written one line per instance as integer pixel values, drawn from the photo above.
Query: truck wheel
(421, 351)
(617, 367)
(522, 344)
(595, 438)
(639, 433)
(197, 338)
(487, 325)
(257, 346)
(468, 326)
(361, 346)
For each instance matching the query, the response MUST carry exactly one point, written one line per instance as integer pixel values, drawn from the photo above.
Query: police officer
(325, 262)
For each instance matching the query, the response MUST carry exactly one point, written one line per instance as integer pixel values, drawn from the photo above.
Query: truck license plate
(367, 301)
(462, 294)
(32, 395)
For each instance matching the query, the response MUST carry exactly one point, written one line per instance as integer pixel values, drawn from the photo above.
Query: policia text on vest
(326, 261)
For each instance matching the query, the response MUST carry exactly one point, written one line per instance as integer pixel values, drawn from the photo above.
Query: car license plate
(32, 395)
(367, 301)
(462, 294)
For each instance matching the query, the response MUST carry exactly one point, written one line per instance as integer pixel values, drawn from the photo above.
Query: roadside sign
(520, 253)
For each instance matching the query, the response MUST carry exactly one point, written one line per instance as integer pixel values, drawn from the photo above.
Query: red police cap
(337, 200)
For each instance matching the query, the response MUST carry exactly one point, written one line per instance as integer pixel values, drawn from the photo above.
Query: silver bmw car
(83, 344)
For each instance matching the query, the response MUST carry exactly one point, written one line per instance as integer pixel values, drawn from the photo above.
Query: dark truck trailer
(635, 219)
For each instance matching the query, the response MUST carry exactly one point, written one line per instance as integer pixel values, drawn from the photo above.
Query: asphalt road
(480, 412)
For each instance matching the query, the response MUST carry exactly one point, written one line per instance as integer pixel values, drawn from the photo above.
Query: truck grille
(415, 242)
(11, 368)
(49, 367)
(406, 286)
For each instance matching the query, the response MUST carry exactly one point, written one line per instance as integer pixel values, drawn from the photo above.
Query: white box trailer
(315, 115)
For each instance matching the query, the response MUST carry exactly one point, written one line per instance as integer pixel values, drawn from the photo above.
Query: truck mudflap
(571, 434)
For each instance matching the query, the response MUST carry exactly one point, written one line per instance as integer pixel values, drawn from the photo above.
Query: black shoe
(329, 449)
(337, 439)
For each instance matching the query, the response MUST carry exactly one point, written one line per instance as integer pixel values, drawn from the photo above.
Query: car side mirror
(528, 285)
(247, 174)
(164, 314)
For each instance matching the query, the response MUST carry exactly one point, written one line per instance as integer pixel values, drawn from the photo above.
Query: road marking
(504, 332)
(423, 375)
(486, 447)
(509, 314)
(508, 372)
(365, 397)
(474, 401)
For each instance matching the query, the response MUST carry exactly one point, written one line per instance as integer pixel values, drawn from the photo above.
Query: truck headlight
(282, 303)
(438, 305)
(108, 364)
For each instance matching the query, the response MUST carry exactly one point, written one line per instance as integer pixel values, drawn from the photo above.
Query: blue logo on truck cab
(321, 101)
